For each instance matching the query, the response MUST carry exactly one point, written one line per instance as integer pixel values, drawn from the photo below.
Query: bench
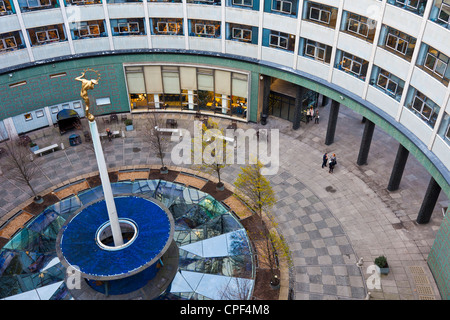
(168, 130)
(114, 134)
(42, 150)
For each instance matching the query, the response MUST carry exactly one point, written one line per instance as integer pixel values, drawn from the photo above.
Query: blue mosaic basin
(79, 246)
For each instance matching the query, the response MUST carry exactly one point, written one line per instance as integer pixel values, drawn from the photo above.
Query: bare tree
(21, 165)
(156, 139)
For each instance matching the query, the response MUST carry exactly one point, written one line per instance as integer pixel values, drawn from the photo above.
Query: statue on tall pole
(85, 86)
(103, 171)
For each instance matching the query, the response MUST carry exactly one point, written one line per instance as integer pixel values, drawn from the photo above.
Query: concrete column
(266, 94)
(298, 107)
(332, 121)
(429, 202)
(365, 142)
(325, 100)
(399, 166)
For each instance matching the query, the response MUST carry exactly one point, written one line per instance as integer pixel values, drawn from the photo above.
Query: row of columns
(433, 190)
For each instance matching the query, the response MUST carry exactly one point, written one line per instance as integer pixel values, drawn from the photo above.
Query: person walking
(316, 119)
(332, 163)
(324, 160)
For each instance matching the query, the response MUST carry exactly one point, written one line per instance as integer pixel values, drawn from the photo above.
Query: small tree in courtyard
(157, 140)
(255, 190)
(20, 165)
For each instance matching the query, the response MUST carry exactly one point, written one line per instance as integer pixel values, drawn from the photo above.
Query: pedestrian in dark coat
(324, 160)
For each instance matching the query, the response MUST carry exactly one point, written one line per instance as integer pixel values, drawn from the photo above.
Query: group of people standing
(310, 115)
(331, 161)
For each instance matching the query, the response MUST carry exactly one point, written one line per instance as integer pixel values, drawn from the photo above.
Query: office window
(241, 33)
(315, 50)
(422, 106)
(352, 64)
(283, 6)
(244, 3)
(6, 7)
(434, 63)
(387, 82)
(122, 1)
(88, 29)
(278, 40)
(33, 5)
(440, 13)
(167, 26)
(204, 28)
(359, 26)
(320, 13)
(416, 6)
(11, 41)
(82, 2)
(207, 2)
(125, 27)
(397, 42)
(48, 34)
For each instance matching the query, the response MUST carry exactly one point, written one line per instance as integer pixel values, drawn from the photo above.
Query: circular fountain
(142, 267)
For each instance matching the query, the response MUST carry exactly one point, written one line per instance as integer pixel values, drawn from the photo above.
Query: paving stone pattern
(330, 221)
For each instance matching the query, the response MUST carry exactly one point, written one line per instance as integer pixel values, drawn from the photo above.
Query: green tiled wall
(439, 258)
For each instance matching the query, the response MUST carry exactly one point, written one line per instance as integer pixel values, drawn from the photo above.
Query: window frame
(5, 48)
(316, 46)
(242, 32)
(40, 4)
(437, 59)
(167, 23)
(47, 36)
(359, 23)
(397, 43)
(320, 14)
(423, 103)
(440, 10)
(386, 87)
(89, 34)
(236, 3)
(205, 33)
(282, 2)
(128, 24)
(279, 36)
(353, 62)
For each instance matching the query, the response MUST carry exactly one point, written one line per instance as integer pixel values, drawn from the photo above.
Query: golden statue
(85, 86)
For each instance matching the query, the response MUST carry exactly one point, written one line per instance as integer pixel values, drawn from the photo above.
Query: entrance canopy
(68, 119)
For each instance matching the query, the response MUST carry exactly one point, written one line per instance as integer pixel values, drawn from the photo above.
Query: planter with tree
(255, 190)
(157, 141)
(382, 263)
(129, 125)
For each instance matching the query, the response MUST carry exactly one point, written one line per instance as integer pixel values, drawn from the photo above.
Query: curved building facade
(388, 60)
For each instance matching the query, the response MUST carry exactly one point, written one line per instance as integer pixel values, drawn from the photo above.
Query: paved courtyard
(330, 221)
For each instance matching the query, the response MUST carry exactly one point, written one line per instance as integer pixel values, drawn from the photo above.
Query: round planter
(220, 186)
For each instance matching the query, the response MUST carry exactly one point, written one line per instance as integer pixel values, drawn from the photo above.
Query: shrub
(381, 262)
(128, 122)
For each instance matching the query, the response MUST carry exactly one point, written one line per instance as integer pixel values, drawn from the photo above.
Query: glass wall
(47, 34)
(204, 28)
(440, 13)
(416, 6)
(87, 29)
(11, 41)
(315, 50)
(434, 63)
(166, 26)
(6, 7)
(33, 5)
(387, 82)
(241, 33)
(397, 42)
(320, 13)
(128, 27)
(422, 106)
(187, 88)
(278, 40)
(358, 26)
(352, 64)
(444, 129)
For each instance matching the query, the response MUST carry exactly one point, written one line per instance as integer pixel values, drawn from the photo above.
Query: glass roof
(215, 255)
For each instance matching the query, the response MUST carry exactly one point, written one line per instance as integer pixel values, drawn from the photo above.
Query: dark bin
(74, 140)
(263, 119)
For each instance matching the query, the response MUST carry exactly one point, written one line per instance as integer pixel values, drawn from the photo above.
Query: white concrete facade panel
(402, 20)
(348, 82)
(316, 32)
(313, 67)
(42, 18)
(382, 101)
(419, 128)
(428, 85)
(355, 46)
(392, 63)
(170, 10)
